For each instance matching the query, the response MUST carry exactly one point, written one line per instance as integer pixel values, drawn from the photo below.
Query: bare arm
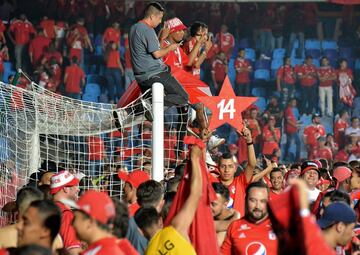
(202, 57)
(74, 251)
(183, 219)
(265, 172)
(249, 170)
(164, 51)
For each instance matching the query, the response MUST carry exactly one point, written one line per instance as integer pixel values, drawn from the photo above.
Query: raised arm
(249, 170)
(183, 219)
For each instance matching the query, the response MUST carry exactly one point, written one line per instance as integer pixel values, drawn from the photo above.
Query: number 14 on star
(227, 107)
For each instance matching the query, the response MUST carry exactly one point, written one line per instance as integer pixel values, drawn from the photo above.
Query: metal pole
(158, 132)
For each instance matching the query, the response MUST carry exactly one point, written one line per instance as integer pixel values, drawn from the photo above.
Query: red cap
(135, 178)
(61, 180)
(175, 25)
(309, 165)
(341, 173)
(98, 205)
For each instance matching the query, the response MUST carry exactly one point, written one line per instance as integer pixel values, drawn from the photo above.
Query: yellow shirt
(168, 241)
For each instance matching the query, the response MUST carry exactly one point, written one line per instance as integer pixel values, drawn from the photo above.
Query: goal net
(39, 128)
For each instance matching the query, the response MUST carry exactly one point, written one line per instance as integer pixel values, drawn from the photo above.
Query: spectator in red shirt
(254, 126)
(271, 138)
(308, 79)
(339, 128)
(19, 34)
(285, 81)
(225, 40)
(114, 72)
(219, 71)
(322, 151)
(344, 154)
(2, 30)
(60, 31)
(243, 68)
(277, 182)
(50, 53)
(112, 34)
(74, 79)
(253, 233)
(330, 142)
(4, 56)
(327, 76)
(37, 47)
(312, 133)
(346, 91)
(48, 26)
(129, 72)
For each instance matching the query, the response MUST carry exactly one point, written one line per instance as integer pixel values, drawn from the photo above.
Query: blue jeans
(289, 139)
(114, 83)
(300, 36)
(265, 42)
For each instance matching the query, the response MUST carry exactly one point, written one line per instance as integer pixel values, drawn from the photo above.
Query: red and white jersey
(188, 47)
(312, 133)
(339, 131)
(218, 68)
(243, 69)
(176, 58)
(105, 246)
(270, 145)
(286, 74)
(226, 41)
(246, 238)
(326, 72)
(325, 153)
(308, 75)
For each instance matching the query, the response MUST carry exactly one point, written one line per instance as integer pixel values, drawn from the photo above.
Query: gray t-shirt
(143, 42)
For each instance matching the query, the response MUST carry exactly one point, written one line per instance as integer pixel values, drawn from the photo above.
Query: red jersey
(326, 72)
(38, 46)
(290, 117)
(219, 70)
(105, 246)
(111, 35)
(50, 55)
(2, 27)
(22, 31)
(342, 156)
(67, 231)
(188, 47)
(308, 73)
(126, 247)
(214, 50)
(312, 133)
(253, 126)
(243, 69)
(325, 153)
(113, 59)
(286, 74)
(246, 238)
(270, 146)
(133, 208)
(74, 75)
(339, 131)
(176, 58)
(273, 195)
(48, 25)
(237, 193)
(226, 42)
(96, 148)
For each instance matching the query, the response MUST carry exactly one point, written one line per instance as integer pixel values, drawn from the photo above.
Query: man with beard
(277, 182)
(223, 216)
(253, 233)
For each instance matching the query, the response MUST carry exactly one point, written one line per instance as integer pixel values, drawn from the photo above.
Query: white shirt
(313, 195)
(351, 131)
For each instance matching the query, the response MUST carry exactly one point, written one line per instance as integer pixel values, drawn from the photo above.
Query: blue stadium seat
(316, 62)
(296, 61)
(244, 43)
(261, 103)
(90, 98)
(7, 74)
(262, 64)
(231, 71)
(276, 64)
(312, 44)
(250, 54)
(314, 53)
(98, 50)
(351, 63)
(296, 44)
(357, 64)
(279, 53)
(329, 45)
(258, 92)
(98, 40)
(330, 53)
(93, 89)
(293, 54)
(7, 66)
(262, 74)
(346, 53)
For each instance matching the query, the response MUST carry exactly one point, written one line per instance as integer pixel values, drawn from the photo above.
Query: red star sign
(227, 107)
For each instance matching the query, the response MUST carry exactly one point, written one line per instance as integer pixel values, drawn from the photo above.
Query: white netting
(38, 126)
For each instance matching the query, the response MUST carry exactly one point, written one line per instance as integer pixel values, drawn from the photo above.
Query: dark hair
(50, 214)
(354, 118)
(153, 8)
(74, 60)
(26, 195)
(323, 58)
(31, 249)
(149, 193)
(258, 184)
(45, 189)
(342, 112)
(172, 183)
(196, 26)
(180, 169)
(146, 217)
(275, 170)
(324, 162)
(169, 197)
(226, 155)
(338, 196)
(220, 189)
(241, 49)
(121, 221)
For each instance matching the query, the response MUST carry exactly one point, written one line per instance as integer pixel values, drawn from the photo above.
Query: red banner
(345, 1)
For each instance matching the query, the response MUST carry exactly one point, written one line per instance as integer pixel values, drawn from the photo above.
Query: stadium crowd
(259, 192)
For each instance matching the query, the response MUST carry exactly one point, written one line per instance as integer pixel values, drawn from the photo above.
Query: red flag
(192, 85)
(345, 1)
(296, 234)
(202, 230)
